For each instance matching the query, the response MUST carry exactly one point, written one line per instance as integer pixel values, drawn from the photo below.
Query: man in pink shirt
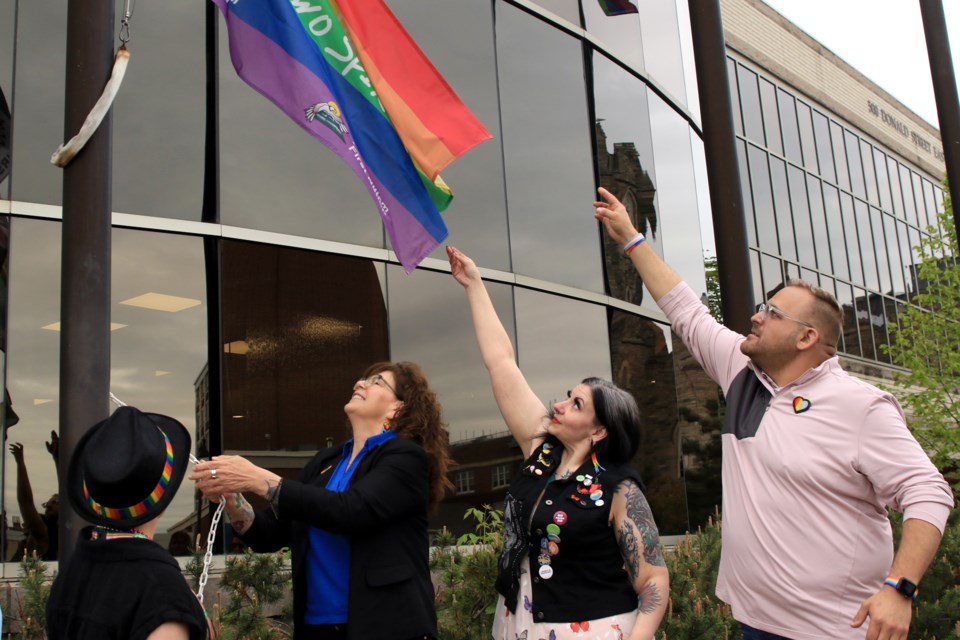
(812, 457)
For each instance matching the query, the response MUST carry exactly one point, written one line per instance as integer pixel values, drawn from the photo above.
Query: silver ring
(213, 474)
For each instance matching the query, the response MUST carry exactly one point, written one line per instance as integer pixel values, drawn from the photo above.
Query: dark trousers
(749, 633)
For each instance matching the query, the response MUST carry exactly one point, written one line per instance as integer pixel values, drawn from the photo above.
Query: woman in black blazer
(356, 518)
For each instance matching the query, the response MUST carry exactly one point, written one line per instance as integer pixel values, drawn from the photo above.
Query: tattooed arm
(239, 512)
(639, 542)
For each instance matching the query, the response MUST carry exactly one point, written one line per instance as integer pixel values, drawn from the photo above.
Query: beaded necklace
(107, 533)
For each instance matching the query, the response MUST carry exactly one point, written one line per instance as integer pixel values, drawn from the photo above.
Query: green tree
(466, 572)
(926, 343)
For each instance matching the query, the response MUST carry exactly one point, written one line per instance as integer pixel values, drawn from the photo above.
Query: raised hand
(463, 269)
(614, 217)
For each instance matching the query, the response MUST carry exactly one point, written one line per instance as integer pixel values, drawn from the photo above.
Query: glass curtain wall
(829, 205)
(302, 308)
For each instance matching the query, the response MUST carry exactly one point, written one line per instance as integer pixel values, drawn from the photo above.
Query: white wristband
(633, 242)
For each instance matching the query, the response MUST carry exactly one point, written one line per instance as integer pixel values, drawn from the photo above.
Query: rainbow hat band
(144, 505)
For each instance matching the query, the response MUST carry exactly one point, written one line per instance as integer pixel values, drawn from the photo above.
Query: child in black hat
(119, 583)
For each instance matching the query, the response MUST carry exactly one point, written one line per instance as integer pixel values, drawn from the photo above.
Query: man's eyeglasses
(378, 380)
(766, 310)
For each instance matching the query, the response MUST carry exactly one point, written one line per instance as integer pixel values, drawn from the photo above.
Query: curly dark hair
(421, 420)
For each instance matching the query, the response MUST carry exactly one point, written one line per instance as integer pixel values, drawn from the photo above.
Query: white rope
(65, 152)
(214, 523)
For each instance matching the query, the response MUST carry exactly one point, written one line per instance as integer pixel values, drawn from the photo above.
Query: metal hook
(128, 7)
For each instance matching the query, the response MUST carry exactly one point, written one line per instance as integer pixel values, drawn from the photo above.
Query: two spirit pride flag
(348, 73)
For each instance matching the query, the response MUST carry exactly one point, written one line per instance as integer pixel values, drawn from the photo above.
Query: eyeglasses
(378, 380)
(766, 310)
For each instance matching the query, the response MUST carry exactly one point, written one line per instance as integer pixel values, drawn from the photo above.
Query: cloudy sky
(882, 39)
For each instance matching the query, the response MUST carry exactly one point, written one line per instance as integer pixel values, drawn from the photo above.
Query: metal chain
(208, 556)
(214, 523)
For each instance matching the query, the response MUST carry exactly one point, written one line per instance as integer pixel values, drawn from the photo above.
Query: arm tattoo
(629, 550)
(648, 598)
(241, 513)
(638, 511)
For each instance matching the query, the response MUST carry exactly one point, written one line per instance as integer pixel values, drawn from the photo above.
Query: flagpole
(85, 253)
(723, 175)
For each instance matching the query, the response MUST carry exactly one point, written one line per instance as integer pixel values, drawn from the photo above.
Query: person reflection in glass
(583, 553)
(356, 518)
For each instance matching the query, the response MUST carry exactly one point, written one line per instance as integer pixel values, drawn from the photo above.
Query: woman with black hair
(582, 554)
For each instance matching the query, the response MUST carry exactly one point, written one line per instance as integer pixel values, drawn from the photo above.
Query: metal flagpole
(85, 268)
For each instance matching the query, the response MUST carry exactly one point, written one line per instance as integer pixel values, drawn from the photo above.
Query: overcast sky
(882, 39)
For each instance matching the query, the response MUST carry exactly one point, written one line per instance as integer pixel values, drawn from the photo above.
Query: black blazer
(384, 512)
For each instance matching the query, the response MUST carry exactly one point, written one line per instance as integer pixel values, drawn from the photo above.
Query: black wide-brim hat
(126, 469)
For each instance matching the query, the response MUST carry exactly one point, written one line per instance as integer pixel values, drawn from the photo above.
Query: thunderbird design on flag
(393, 120)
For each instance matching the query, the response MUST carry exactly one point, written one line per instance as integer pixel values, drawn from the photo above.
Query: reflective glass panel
(38, 106)
(756, 274)
(661, 45)
(750, 103)
(771, 116)
(930, 203)
(788, 125)
(806, 137)
(735, 95)
(883, 181)
(781, 206)
(896, 193)
(867, 248)
(625, 166)
(821, 232)
(909, 202)
(851, 238)
(856, 166)
(772, 274)
(801, 216)
(851, 333)
(158, 344)
(560, 342)
(922, 217)
(158, 116)
(620, 34)
(746, 192)
(878, 318)
(821, 130)
(547, 152)
(906, 257)
(32, 358)
(893, 254)
(299, 327)
(864, 324)
(763, 201)
(677, 191)
(880, 245)
(838, 248)
(839, 156)
(430, 324)
(869, 173)
(643, 365)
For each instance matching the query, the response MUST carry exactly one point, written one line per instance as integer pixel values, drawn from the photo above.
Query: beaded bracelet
(633, 243)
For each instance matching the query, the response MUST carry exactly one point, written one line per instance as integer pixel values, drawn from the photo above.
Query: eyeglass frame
(376, 379)
(766, 309)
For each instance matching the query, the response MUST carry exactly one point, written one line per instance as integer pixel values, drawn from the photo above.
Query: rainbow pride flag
(617, 7)
(300, 56)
